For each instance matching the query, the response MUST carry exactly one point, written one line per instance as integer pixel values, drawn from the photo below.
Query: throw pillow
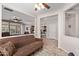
(7, 49)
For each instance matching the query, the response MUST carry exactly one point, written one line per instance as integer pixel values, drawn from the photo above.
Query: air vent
(8, 9)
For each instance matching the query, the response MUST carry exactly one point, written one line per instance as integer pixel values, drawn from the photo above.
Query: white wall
(70, 20)
(78, 24)
(52, 26)
(68, 43)
(52, 31)
(0, 20)
(61, 26)
(37, 27)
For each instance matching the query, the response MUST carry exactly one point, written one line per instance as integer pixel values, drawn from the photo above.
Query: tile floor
(50, 48)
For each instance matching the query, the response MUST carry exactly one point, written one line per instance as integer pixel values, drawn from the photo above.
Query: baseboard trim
(63, 49)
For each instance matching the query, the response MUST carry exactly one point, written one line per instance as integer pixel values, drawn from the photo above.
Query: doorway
(51, 27)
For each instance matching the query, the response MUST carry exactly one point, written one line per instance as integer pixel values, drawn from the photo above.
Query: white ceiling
(28, 8)
(74, 8)
(50, 19)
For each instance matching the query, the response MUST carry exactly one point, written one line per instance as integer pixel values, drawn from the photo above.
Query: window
(11, 27)
(5, 27)
(72, 21)
(15, 28)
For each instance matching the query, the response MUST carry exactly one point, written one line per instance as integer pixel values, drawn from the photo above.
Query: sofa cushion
(28, 49)
(2, 41)
(19, 41)
(7, 49)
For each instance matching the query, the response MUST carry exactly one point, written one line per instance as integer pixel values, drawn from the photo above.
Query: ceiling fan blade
(45, 5)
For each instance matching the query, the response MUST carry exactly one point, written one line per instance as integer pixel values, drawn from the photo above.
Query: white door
(52, 31)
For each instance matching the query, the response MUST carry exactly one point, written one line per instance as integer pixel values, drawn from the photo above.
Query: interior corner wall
(37, 27)
(67, 43)
(0, 21)
(60, 28)
(22, 29)
(70, 43)
(70, 20)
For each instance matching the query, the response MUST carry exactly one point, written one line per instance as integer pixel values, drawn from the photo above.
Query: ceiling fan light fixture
(41, 5)
(37, 7)
(46, 6)
(16, 19)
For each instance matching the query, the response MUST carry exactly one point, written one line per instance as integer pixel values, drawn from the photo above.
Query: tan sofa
(25, 45)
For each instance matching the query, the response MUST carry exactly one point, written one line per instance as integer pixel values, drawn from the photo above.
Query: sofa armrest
(39, 39)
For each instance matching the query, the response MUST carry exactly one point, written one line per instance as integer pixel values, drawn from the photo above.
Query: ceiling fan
(39, 6)
(16, 19)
